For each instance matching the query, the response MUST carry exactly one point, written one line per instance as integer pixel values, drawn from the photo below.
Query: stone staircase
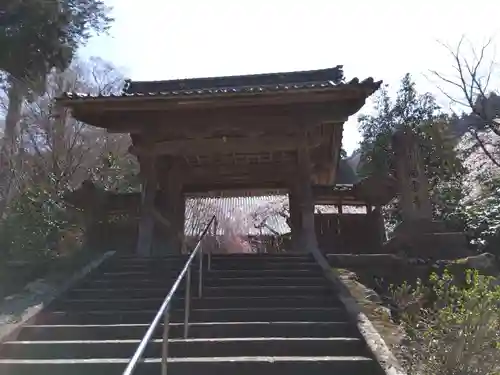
(258, 314)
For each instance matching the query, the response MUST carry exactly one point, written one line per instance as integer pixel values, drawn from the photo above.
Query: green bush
(451, 328)
(35, 225)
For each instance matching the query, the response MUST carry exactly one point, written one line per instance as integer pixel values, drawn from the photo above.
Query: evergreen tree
(36, 36)
(420, 114)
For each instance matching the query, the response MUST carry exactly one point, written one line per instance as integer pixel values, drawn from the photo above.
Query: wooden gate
(348, 233)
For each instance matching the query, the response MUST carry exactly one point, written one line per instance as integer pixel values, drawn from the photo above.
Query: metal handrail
(165, 309)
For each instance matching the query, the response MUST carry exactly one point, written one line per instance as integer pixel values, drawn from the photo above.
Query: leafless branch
(473, 77)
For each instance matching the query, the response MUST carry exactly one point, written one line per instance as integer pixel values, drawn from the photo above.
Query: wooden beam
(203, 187)
(199, 122)
(237, 193)
(193, 147)
(254, 179)
(208, 120)
(252, 174)
(237, 181)
(263, 169)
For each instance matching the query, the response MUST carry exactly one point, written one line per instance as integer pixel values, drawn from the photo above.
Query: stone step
(215, 265)
(242, 257)
(265, 272)
(245, 256)
(264, 265)
(152, 266)
(207, 282)
(259, 313)
(147, 273)
(220, 347)
(206, 302)
(229, 291)
(148, 260)
(196, 315)
(252, 259)
(214, 259)
(265, 281)
(207, 366)
(99, 283)
(196, 330)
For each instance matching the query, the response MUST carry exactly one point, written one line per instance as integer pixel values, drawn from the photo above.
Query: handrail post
(164, 352)
(187, 303)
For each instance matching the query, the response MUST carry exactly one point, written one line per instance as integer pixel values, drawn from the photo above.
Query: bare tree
(60, 152)
(470, 90)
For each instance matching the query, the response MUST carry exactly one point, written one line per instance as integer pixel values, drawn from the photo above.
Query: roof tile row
(324, 79)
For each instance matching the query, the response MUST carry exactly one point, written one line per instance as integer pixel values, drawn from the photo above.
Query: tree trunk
(8, 148)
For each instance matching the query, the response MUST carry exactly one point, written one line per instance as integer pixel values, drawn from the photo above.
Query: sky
(384, 39)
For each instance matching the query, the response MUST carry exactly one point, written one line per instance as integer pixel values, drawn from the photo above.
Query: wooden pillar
(376, 229)
(295, 217)
(92, 214)
(181, 215)
(148, 193)
(175, 205)
(380, 223)
(310, 242)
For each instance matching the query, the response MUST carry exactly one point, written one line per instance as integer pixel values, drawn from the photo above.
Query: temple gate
(273, 131)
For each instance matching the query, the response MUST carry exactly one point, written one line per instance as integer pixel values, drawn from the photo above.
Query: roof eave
(70, 99)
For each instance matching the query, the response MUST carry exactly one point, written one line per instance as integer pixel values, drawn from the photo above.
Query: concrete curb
(375, 342)
(38, 301)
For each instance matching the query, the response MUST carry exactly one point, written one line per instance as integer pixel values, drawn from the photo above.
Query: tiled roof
(333, 75)
(324, 79)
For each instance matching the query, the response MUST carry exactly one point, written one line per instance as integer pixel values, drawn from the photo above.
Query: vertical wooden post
(91, 214)
(368, 208)
(380, 223)
(148, 194)
(295, 217)
(340, 238)
(181, 215)
(175, 205)
(307, 201)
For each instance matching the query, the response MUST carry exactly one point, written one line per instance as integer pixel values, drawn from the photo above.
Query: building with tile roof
(195, 138)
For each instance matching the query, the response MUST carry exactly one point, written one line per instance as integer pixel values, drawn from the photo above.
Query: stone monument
(419, 235)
